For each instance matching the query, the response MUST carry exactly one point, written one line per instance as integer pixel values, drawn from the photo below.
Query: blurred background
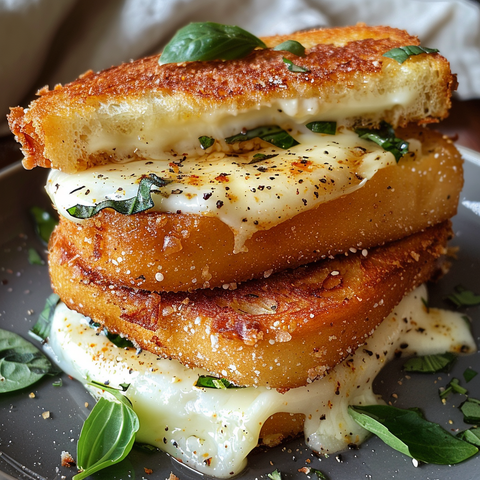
(46, 42)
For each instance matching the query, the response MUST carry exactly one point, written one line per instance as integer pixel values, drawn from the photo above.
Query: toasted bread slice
(284, 331)
(141, 109)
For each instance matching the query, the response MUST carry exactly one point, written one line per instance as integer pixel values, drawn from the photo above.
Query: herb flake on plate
(430, 363)
(401, 54)
(203, 41)
(293, 67)
(44, 223)
(462, 297)
(41, 329)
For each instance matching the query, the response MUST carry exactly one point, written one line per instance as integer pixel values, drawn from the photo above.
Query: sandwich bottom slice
(297, 331)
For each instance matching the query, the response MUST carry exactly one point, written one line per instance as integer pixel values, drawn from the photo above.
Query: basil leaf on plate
(107, 435)
(471, 410)
(469, 374)
(472, 435)
(44, 223)
(34, 257)
(203, 41)
(207, 381)
(401, 54)
(330, 128)
(385, 137)
(411, 434)
(275, 475)
(462, 297)
(41, 329)
(141, 202)
(430, 363)
(270, 133)
(291, 46)
(292, 67)
(21, 363)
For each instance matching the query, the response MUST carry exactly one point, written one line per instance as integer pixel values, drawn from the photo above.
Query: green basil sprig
(330, 128)
(208, 381)
(291, 46)
(21, 363)
(107, 435)
(401, 54)
(292, 67)
(385, 137)
(44, 223)
(411, 434)
(41, 329)
(270, 133)
(430, 363)
(202, 41)
(143, 200)
(462, 297)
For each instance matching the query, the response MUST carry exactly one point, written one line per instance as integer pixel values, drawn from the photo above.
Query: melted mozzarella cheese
(214, 430)
(245, 193)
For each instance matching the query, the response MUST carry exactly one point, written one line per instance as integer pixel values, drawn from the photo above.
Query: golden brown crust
(191, 252)
(54, 130)
(283, 331)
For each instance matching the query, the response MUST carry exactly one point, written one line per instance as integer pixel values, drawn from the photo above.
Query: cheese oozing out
(244, 191)
(213, 430)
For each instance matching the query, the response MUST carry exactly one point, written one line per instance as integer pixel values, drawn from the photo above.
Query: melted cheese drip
(212, 430)
(246, 194)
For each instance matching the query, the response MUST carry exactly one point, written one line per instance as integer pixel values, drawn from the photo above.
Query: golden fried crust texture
(283, 331)
(178, 252)
(55, 130)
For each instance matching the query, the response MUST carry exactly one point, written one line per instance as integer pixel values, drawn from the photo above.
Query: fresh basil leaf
(143, 201)
(291, 46)
(34, 257)
(292, 67)
(41, 329)
(107, 437)
(469, 374)
(203, 41)
(430, 363)
(385, 137)
(330, 128)
(206, 142)
(462, 297)
(409, 433)
(401, 54)
(472, 435)
(471, 410)
(118, 340)
(259, 157)
(115, 392)
(452, 387)
(275, 475)
(320, 475)
(270, 133)
(21, 363)
(44, 223)
(207, 381)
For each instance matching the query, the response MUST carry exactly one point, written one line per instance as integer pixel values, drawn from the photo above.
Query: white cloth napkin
(45, 42)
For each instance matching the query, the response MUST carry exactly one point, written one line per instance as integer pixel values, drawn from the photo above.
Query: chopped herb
(41, 329)
(452, 387)
(58, 383)
(124, 386)
(291, 46)
(292, 67)
(330, 128)
(44, 223)
(462, 297)
(385, 137)
(426, 305)
(118, 340)
(34, 257)
(206, 142)
(203, 41)
(270, 133)
(411, 434)
(469, 374)
(259, 157)
(146, 447)
(320, 475)
(401, 54)
(21, 363)
(472, 435)
(471, 410)
(207, 381)
(143, 201)
(430, 363)
(275, 475)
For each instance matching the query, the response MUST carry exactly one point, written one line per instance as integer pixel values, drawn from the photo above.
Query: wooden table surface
(463, 124)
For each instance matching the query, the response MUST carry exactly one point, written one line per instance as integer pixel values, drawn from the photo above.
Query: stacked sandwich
(255, 217)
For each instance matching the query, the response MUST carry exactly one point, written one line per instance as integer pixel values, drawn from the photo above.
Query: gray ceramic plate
(37, 443)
